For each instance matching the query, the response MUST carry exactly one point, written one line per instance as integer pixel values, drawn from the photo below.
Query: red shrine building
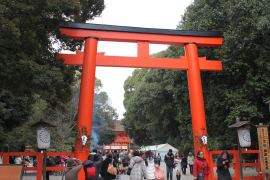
(121, 141)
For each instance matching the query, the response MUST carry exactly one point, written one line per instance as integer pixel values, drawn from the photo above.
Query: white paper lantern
(43, 138)
(204, 140)
(244, 137)
(84, 140)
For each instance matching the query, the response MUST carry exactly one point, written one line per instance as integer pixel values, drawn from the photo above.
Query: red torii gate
(89, 59)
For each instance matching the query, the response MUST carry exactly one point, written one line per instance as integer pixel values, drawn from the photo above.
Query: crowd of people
(178, 162)
(138, 165)
(198, 166)
(111, 165)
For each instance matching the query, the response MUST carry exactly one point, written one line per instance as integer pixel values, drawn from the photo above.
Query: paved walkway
(183, 177)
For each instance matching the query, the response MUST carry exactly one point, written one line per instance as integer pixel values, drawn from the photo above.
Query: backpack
(159, 174)
(90, 169)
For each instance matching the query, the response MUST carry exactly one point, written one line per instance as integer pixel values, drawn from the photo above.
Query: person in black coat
(184, 164)
(223, 165)
(94, 160)
(49, 162)
(104, 168)
(169, 161)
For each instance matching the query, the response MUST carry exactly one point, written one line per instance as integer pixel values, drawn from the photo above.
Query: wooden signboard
(263, 139)
(11, 172)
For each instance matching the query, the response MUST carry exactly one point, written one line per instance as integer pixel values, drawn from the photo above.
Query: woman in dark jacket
(223, 165)
(104, 168)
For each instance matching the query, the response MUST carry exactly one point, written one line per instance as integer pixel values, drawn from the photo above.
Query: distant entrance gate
(89, 59)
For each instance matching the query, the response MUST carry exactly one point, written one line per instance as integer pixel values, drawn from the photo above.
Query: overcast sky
(138, 13)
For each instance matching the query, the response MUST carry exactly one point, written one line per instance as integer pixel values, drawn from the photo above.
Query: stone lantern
(243, 132)
(43, 134)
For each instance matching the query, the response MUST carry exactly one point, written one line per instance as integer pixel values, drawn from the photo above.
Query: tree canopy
(30, 74)
(157, 101)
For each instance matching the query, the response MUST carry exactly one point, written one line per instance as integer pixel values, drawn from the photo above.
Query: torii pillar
(196, 98)
(89, 59)
(86, 101)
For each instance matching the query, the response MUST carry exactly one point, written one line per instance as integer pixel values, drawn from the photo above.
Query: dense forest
(34, 84)
(157, 101)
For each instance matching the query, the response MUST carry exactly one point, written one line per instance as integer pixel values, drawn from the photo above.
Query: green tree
(160, 99)
(65, 120)
(240, 89)
(30, 73)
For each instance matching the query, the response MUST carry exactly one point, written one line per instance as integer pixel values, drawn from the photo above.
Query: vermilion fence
(250, 164)
(39, 157)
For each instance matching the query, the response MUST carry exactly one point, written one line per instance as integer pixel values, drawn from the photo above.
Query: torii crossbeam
(89, 59)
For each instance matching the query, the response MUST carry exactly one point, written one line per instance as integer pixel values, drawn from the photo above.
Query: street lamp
(244, 138)
(43, 140)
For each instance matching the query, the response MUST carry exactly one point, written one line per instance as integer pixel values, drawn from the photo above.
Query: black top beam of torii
(114, 28)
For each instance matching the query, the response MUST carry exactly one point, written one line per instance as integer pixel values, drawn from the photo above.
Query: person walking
(104, 168)
(158, 159)
(200, 167)
(126, 160)
(137, 166)
(169, 161)
(223, 165)
(150, 166)
(190, 160)
(92, 166)
(177, 162)
(184, 164)
(73, 168)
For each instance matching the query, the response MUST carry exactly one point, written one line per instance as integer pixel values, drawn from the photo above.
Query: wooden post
(240, 160)
(39, 165)
(44, 164)
(5, 158)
